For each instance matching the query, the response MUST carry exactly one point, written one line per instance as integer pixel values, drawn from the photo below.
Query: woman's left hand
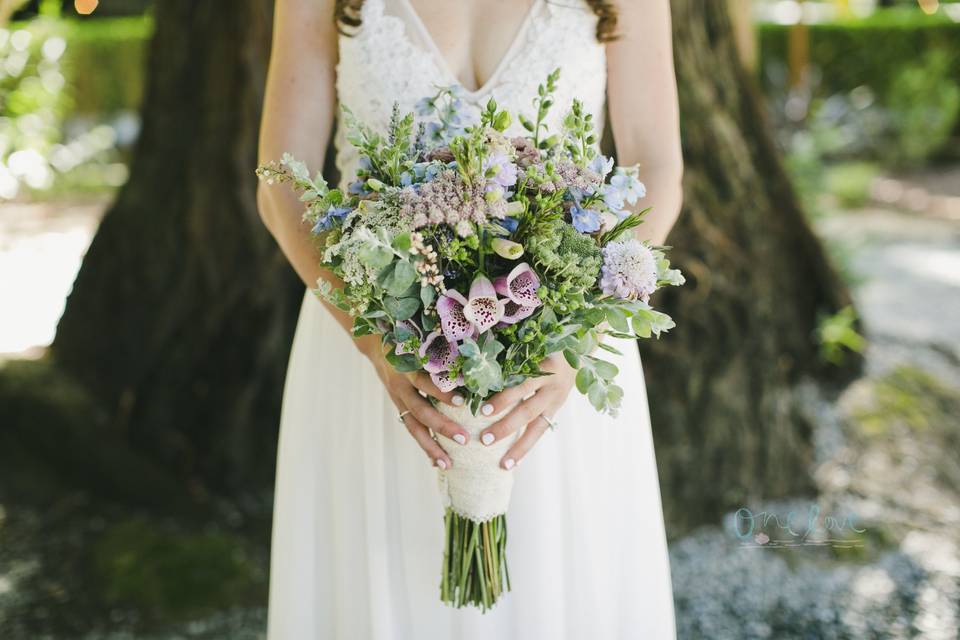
(547, 395)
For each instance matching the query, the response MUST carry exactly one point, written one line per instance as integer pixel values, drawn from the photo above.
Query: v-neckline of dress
(444, 65)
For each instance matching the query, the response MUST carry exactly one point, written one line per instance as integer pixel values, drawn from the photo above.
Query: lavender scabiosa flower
(629, 270)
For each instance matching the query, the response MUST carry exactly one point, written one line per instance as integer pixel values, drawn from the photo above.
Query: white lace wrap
(476, 487)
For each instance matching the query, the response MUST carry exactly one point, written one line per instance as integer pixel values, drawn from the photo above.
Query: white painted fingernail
(487, 438)
(441, 463)
(459, 439)
(508, 463)
(457, 400)
(486, 409)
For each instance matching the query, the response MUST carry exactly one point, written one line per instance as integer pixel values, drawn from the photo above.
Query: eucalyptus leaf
(397, 278)
(572, 358)
(406, 363)
(585, 378)
(401, 308)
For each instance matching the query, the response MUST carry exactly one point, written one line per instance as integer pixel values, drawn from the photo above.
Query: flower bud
(375, 184)
(507, 248)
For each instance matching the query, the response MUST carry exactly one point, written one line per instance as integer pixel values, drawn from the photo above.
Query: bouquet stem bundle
(474, 561)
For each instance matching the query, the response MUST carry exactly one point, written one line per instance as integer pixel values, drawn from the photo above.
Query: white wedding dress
(358, 523)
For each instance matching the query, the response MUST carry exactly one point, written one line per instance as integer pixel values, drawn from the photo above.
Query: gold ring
(402, 415)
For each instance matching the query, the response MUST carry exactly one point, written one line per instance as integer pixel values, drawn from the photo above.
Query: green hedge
(104, 61)
(869, 51)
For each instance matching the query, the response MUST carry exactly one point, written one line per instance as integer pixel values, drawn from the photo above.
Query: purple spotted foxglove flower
(520, 286)
(439, 352)
(461, 317)
(445, 381)
(402, 348)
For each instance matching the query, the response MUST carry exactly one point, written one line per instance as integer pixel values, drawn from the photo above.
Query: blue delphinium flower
(623, 188)
(601, 165)
(510, 223)
(332, 217)
(425, 106)
(585, 220)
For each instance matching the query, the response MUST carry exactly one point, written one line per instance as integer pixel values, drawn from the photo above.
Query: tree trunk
(728, 426)
(182, 315)
(181, 318)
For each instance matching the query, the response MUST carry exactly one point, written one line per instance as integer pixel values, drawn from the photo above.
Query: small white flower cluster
(427, 267)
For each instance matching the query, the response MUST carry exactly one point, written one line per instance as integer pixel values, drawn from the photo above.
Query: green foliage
(924, 105)
(570, 260)
(105, 63)
(838, 335)
(884, 86)
(913, 398)
(850, 182)
(167, 575)
(868, 51)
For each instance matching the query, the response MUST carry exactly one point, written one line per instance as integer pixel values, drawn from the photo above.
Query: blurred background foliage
(865, 102)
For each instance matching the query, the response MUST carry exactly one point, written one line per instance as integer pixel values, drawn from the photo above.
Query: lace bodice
(392, 58)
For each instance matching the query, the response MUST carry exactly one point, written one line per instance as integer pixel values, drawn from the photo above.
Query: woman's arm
(644, 114)
(298, 115)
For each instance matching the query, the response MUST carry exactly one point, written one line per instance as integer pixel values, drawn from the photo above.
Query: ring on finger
(553, 424)
(402, 415)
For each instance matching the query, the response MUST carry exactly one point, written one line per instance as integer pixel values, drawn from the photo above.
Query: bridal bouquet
(474, 256)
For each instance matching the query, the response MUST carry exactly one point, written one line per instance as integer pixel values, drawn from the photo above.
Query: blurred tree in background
(180, 321)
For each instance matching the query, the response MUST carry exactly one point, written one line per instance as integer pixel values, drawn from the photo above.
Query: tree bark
(727, 424)
(181, 318)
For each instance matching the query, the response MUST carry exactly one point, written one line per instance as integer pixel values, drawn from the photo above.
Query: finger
(428, 416)
(422, 435)
(509, 397)
(523, 414)
(424, 384)
(524, 443)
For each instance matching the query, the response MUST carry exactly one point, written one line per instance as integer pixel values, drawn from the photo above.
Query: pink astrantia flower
(440, 353)
(520, 286)
(445, 382)
(461, 317)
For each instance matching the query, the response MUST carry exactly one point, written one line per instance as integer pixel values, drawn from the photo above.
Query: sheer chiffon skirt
(357, 531)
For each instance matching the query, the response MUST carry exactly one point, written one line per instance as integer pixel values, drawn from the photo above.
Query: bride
(358, 528)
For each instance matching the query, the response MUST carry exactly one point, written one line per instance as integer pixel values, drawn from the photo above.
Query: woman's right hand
(408, 391)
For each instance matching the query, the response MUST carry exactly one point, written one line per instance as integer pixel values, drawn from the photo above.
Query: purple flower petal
(514, 313)
(483, 310)
(440, 353)
(450, 309)
(412, 326)
(520, 286)
(482, 288)
(444, 382)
